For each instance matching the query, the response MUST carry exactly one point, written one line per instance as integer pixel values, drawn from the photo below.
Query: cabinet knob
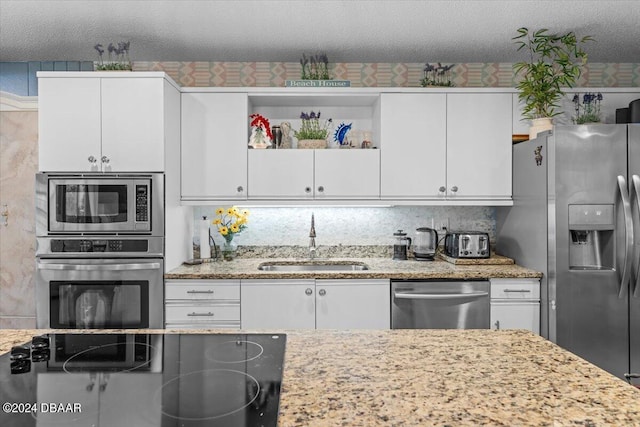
(321, 189)
(497, 324)
(240, 189)
(308, 291)
(92, 159)
(322, 292)
(442, 189)
(454, 189)
(105, 159)
(307, 190)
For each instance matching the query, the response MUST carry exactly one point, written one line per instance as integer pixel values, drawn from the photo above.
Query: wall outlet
(442, 225)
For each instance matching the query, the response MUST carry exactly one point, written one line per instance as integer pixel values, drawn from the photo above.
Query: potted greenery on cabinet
(554, 62)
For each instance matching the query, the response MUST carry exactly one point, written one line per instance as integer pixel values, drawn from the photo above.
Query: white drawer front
(212, 325)
(515, 289)
(202, 313)
(201, 291)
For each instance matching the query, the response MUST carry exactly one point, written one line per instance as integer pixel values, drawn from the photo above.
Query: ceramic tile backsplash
(361, 226)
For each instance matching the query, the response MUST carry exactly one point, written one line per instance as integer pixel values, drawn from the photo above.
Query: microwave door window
(91, 203)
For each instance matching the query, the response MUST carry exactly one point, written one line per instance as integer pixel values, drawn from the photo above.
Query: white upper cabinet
(89, 122)
(479, 146)
(133, 124)
(306, 174)
(69, 118)
(280, 174)
(320, 174)
(414, 154)
(347, 174)
(214, 146)
(446, 146)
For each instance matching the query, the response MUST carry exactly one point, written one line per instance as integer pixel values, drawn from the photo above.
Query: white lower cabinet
(515, 304)
(103, 399)
(353, 304)
(309, 304)
(278, 304)
(202, 304)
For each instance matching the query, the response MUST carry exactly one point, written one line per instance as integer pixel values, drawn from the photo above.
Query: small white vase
(540, 125)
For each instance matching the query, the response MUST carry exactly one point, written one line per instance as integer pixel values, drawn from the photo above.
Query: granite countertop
(379, 268)
(437, 377)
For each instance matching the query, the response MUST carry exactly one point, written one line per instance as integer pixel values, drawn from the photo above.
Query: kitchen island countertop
(436, 377)
(379, 268)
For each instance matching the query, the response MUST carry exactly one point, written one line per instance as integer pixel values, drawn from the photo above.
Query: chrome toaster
(467, 244)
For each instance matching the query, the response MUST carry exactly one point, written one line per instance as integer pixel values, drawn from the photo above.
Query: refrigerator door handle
(634, 197)
(623, 196)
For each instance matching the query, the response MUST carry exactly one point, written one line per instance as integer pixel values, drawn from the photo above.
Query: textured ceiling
(348, 31)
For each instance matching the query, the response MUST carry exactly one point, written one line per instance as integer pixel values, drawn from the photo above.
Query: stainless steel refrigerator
(576, 206)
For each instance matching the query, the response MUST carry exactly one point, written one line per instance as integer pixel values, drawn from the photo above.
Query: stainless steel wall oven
(100, 251)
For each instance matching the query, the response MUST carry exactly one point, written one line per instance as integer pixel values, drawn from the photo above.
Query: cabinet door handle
(200, 292)
(308, 291)
(194, 314)
(240, 189)
(497, 324)
(442, 189)
(105, 159)
(454, 189)
(520, 291)
(321, 189)
(307, 190)
(322, 292)
(92, 159)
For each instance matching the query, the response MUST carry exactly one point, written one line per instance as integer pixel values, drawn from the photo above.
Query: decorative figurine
(340, 135)
(285, 128)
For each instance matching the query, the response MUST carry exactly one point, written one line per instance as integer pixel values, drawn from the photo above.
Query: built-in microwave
(94, 204)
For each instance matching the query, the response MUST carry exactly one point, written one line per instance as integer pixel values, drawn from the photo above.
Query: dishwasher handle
(474, 295)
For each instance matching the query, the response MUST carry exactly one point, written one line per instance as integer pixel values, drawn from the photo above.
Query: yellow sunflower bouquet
(230, 221)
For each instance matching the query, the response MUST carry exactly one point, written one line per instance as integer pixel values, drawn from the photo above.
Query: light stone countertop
(436, 378)
(379, 268)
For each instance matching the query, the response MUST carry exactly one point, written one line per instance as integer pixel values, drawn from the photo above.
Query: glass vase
(229, 250)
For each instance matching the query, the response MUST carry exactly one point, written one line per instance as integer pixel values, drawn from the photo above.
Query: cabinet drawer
(202, 325)
(200, 313)
(515, 289)
(201, 290)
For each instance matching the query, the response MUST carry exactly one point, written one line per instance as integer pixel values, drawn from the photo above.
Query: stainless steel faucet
(312, 239)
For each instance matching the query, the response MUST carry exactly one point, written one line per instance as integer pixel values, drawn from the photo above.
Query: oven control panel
(99, 245)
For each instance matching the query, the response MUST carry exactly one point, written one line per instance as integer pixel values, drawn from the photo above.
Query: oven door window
(91, 203)
(99, 304)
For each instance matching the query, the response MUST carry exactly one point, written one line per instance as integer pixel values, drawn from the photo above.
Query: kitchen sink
(313, 266)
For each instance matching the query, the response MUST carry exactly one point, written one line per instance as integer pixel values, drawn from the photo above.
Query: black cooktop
(177, 380)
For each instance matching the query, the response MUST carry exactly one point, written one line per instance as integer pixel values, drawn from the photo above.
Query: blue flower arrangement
(118, 57)
(587, 111)
(437, 75)
(315, 67)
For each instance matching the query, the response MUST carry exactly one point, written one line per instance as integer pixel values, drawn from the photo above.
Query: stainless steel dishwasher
(440, 304)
